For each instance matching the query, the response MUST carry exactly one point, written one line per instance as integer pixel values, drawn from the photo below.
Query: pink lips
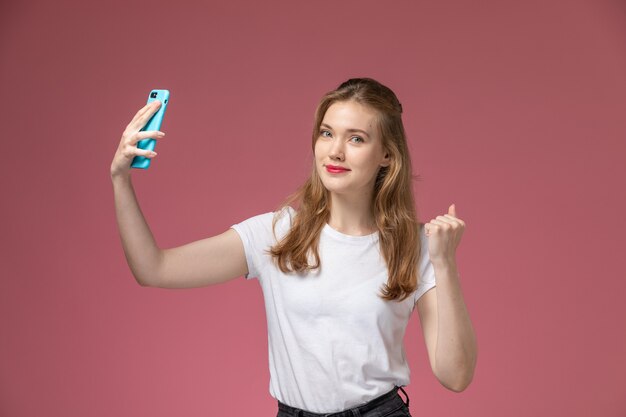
(336, 170)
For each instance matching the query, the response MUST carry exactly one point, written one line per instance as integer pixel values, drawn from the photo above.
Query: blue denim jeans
(390, 404)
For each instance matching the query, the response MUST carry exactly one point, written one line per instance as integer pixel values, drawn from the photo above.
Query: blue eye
(327, 134)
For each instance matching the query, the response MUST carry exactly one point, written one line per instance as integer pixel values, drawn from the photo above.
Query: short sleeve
(425, 268)
(257, 236)
(251, 233)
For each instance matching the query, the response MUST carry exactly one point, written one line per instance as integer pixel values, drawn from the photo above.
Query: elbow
(147, 274)
(147, 278)
(145, 281)
(460, 387)
(457, 386)
(151, 283)
(142, 282)
(459, 381)
(459, 377)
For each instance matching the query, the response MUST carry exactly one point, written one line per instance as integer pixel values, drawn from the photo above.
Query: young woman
(341, 272)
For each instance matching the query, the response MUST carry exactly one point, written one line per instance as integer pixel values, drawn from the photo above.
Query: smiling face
(348, 138)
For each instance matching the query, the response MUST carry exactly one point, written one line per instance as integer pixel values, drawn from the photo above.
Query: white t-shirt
(333, 342)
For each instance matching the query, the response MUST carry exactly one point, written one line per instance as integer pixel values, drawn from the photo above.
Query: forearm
(456, 342)
(142, 253)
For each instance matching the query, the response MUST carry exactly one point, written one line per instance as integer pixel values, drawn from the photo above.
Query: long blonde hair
(393, 202)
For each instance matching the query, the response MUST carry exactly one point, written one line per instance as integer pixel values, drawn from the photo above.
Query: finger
(140, 112)
(448, 219)
(148, 111)
(456, 219)
(146, 153)
(145, 134)
(132, 151)
(435, 225)
(151, 108)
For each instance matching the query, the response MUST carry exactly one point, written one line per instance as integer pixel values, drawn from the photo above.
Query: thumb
(452, 210)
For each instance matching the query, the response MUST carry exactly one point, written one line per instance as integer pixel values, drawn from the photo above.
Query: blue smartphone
(153, 124)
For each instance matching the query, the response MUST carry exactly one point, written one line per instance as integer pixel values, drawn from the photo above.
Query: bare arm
(201, 263)
(204, 262)
(447, 327)
(142, 253)
(448, 330)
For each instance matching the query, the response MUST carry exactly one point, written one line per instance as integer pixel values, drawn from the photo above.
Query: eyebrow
(348, 130)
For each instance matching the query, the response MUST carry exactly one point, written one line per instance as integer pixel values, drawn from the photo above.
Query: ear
(386, 161)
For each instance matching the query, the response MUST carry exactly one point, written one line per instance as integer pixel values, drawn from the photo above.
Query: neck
(352, 215)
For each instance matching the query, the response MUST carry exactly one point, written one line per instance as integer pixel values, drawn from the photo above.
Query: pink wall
(514, 111)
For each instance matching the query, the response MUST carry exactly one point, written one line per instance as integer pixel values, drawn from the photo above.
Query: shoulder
(287, 212)
(281, 221)
(264, 229)
(283, 217)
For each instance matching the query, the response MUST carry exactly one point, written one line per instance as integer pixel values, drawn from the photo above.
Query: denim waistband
(355, 411)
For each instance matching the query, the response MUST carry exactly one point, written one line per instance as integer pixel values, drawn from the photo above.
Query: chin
(336, 190)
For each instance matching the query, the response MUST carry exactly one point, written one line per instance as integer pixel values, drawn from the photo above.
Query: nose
(336, 150)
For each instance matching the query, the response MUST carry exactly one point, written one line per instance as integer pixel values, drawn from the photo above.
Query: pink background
(514, 110)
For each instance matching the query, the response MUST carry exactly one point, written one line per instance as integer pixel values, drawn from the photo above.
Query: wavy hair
(392, 201)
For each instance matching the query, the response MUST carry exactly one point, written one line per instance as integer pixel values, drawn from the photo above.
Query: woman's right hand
(127, 148)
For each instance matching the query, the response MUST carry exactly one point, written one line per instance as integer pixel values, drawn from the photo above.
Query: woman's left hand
(444, 235)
